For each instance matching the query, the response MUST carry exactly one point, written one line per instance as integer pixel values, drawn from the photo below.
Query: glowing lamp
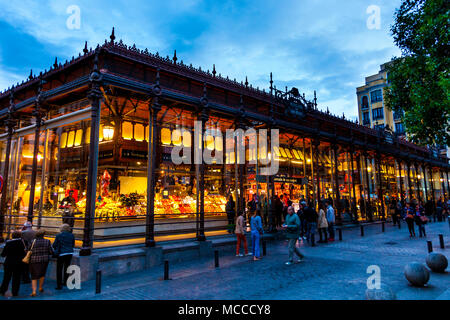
(108, 131)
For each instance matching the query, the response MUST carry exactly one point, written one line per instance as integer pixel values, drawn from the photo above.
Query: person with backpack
(292, 226)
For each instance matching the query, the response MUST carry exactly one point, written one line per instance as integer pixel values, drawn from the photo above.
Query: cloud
(313, 45)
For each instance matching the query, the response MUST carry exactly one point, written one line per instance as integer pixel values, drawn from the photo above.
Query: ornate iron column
(10, 123)
(417, 182)
(400, 169)
(153, 109)
(380, 182)
(353, 201)
(94, 96)
(316, 156)
(369, 203)
(336, 182)
(443, 183)
(430, 170)
(37, 113)
(203, 117)
(408, 165)
(425, 181)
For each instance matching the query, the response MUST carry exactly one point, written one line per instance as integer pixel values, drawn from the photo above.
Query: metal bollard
(216, 258)
(166, 270)
(98, 282)
(430, 246)
(382, 227)
(441, 241)
(313, 243)
(362, 231)
(340, 234)
(264, 247)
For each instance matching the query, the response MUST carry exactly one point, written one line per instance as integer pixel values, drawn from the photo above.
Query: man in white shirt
(331, 219)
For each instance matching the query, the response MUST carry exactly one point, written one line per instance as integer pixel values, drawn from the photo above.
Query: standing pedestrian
(240, 234)
(322, 224)
(14, 252)
(409, 218)
(311, 221)
(230, 209)
(28, 235)
(257, 231)
(63, 249)
(292, 225)
(331, 219)
(420, 219)
(41, 250)
(397, 213)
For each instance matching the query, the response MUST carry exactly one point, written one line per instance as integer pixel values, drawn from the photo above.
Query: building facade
(89, 142)
(371, 108)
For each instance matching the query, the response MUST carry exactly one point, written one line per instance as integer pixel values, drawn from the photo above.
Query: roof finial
(85, 50)
(112, 36)
(315, 98)
(157, 77)
(55, 65)
(31, 74)
(214, 71)
(175, 57)
(246, 81)
(271, 83)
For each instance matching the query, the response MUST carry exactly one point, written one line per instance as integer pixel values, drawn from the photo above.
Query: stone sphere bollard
(437, 262)
(384, 293)
(417, 274)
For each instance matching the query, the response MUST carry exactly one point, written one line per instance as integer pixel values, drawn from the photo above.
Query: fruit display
(133, 206)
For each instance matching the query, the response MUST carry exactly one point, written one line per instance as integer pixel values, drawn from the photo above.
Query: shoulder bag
(27, 257)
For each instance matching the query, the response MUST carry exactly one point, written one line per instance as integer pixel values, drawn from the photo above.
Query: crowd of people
(302, 225)
(28, 254)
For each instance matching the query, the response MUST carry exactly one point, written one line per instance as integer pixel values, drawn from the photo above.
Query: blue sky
(322, 45)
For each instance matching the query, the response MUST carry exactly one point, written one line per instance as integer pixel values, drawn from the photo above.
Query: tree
(419, 79)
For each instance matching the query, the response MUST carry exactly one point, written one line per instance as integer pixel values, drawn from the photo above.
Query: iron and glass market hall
(95, 134)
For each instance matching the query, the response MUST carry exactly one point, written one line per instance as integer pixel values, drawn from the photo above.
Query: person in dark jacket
(14, 251)
(311, 217)
(41, 251)
(63, 249)
(409, 218)
(230, 210)
(419, 218)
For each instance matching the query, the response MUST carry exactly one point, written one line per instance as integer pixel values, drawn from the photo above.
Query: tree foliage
(419, 79)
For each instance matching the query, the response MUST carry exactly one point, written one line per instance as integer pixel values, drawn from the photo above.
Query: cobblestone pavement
(330, 271)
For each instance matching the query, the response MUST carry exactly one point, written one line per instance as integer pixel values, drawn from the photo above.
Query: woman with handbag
(14, 251)
(256, 230)
(409, 218)
(41, 250)
(420, 220)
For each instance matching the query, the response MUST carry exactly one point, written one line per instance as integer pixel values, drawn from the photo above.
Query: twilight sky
(322, 45)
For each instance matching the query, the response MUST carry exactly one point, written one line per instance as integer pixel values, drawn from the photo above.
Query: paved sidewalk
(330, 271)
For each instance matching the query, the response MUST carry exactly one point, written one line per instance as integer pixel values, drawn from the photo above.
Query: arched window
(365, 102)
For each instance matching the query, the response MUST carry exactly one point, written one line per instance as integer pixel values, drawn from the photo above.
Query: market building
(95, 135)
